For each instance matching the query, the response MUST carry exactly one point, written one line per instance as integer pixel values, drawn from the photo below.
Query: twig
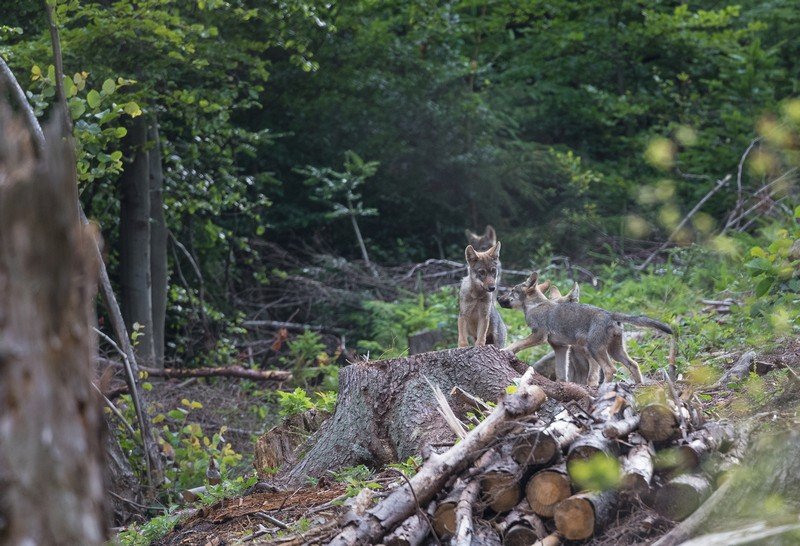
(274, 521)
(739, 199)
(116, 411)
(682, 223)
(760, 201)
(59, 66)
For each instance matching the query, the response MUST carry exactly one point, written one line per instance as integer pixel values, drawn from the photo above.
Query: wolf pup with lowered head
(594, 332)
(477, 315)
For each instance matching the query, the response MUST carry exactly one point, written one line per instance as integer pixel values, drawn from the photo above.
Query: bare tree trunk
(51, 451)
(134, 231)
(158, 244)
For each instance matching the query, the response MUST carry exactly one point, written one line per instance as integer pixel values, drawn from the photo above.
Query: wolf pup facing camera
(477, 315)
(592, 331)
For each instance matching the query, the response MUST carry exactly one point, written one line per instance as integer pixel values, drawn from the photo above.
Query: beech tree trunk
(159, 272)
(386, 410)
(51, 450)
(134, 241)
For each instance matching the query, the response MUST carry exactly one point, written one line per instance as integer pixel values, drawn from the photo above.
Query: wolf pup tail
(642, 321)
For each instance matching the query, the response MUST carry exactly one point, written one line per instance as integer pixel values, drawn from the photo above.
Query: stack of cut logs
(534, 485)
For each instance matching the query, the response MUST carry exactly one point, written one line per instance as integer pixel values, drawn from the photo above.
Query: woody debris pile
(539, 471)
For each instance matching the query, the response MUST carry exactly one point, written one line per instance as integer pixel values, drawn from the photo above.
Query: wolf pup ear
(490, 233)
(533, 278)
(554, 292)
(470, 236)
(470, 254)
(494, 252)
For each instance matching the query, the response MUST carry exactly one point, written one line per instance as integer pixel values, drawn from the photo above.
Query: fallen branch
(226, 371)
(738, 371)
(294, 326)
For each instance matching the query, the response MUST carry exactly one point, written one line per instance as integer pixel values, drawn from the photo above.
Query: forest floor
(309, 515)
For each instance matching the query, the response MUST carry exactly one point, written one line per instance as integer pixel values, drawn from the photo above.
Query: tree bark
(159, 271)
(52, 483)
(134, 240)
(386, 410)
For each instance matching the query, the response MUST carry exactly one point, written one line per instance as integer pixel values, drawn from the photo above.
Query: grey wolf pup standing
(594, 332)
(477, 315)
(483, 242)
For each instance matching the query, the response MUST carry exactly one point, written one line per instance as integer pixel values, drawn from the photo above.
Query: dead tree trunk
(134, 240)
(51, 470)
(159, 272)
(386, 410)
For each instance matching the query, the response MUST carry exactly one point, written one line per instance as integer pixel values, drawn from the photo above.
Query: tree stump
(387, 412)
(51, 450)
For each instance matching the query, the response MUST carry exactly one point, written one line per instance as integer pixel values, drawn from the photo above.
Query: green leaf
(132, 109)
(763, 286)
(109, 87)
(177, 413)
(76, 108)
(120, 132)
(93, 98)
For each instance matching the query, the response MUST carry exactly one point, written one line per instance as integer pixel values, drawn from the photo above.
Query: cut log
(465, 529)
(621, 428)
(637, 470)
(547, 488)
(543, 447)
(590, 445)
(485, 535)
(413, 531)
(500, 487)
(386, 410)
(521, 527)
(581, 516)
(714, 436)
(682, 496)
(444, 517)
(611, 402)
(550, 540)
(436, 471)
(659, 422)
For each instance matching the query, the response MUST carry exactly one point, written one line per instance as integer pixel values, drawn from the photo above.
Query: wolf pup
(483, 242)
(594, 332)
(477, 315)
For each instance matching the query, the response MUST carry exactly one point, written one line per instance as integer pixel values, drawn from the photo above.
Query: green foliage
(773, 268)
(341, 190)
(298, 401)
(599, 473)
(191, 449)
(409, 467)
(388, 324)
(146, 533)
(355, 478)
(309, 362)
